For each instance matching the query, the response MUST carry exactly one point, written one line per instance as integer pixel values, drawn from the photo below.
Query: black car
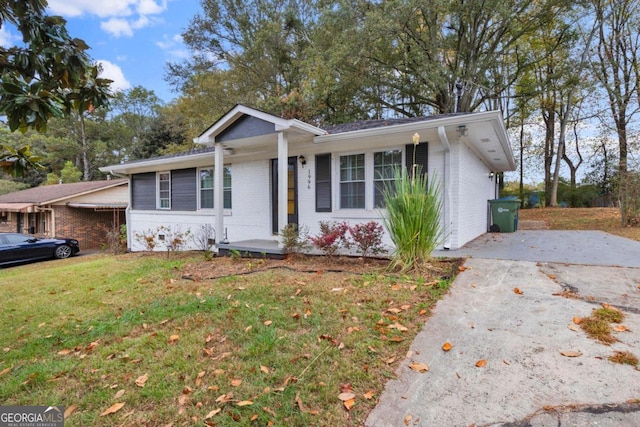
(16, 248)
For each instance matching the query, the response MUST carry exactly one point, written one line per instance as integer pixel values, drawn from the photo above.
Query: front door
(292, 193)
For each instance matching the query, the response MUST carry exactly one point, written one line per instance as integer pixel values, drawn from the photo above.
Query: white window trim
(199, 183)
(159, 201)
(368, 179)
(227, 211)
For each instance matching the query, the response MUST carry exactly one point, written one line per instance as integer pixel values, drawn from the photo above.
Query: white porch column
(283, 175)
(218, 192)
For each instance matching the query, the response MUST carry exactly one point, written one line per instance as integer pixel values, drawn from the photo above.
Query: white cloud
(113, 72)
(73, 8)
(117, 27)
(174, 46)
(120, 17)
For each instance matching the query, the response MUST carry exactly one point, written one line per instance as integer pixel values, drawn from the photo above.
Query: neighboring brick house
(81, 210)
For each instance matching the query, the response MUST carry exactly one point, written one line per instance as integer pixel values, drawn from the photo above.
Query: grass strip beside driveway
(124, 340)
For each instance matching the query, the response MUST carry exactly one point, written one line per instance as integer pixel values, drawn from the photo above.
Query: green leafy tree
(70, 173)
(47, 76)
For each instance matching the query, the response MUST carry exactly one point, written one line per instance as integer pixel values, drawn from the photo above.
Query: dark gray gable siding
(421, 157)
(245, 127)
(323, 183)
(143, 191)
(184, 189)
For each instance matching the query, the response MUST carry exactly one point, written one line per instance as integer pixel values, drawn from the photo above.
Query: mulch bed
(218, 267)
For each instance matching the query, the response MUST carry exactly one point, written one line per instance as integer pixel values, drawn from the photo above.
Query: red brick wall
(85, 225)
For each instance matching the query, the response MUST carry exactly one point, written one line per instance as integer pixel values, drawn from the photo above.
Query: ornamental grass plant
(414, 207)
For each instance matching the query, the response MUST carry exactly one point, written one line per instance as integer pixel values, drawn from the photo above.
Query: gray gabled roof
(380, 123)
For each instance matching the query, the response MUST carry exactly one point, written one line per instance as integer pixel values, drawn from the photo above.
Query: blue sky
(131, 39)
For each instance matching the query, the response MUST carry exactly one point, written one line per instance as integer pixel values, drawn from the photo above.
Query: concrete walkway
(527, 381)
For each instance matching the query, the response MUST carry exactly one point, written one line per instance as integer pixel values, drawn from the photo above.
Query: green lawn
(275, 347)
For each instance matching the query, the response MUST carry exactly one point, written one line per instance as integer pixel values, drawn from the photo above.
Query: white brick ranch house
(258, 172)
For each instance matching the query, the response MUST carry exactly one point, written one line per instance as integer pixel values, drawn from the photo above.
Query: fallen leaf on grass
(244, 403)
(481, 363)
(349, 404)
(446, 346)
(398, 326)
(419, 367)
(112, 409)
(5, 371)
(302, 408)
(212, 413)
(70, 410)
(344, 396)
(141, 380)
(267, 322)
(369, 395)
(173, 339)
(199, 378)
(264, 369)
(571, 353)
(236, 382)
(225, 398)
(119, 394)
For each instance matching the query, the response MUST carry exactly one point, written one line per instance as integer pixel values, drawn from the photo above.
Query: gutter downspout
(445, 188)
(127, 211)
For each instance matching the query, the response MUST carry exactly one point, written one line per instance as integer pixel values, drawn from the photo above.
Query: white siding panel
(474, 190)
(249, 218)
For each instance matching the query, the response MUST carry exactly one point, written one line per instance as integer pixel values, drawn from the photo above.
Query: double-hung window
(352, 182)
(206, 188)
(385, 164)
(164, 190)
(226, 186)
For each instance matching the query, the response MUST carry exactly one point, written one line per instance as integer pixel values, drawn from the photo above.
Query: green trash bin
(504, 215)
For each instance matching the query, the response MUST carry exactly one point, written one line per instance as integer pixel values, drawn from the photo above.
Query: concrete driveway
(527, 381)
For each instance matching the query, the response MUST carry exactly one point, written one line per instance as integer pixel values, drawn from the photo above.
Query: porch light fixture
(303, 160)
(462, 130)
(491, 174)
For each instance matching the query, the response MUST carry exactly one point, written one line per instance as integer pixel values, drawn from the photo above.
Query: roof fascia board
(83, 193)
(388, 130)
(123, 168)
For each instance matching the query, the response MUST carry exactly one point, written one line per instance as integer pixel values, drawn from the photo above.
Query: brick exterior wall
(85, 225)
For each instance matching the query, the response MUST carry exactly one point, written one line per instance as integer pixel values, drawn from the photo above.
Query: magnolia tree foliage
(49, 75)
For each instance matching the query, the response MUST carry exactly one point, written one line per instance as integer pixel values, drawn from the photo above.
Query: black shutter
(143, 191)
(421, 155)
(184, 186)
(323, 183)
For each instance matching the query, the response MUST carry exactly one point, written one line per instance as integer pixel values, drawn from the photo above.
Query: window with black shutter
(420, 159)
(323, 183)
